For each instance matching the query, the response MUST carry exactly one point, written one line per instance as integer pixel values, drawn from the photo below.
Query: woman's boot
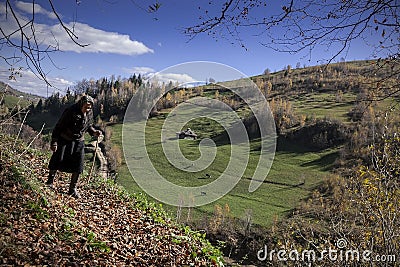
(50, 179)
(72, 186)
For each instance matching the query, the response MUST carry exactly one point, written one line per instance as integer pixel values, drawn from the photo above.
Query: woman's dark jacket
(69, 135)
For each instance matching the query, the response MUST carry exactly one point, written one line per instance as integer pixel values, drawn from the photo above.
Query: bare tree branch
(305, 24)
(22, 36)
(29, 47)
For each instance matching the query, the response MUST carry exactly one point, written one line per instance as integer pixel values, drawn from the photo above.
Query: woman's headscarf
(86, 99)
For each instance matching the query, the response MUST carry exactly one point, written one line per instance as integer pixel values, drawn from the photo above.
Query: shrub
(322, 134)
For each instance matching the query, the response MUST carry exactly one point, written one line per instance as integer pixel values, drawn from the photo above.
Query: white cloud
(180, 78)
(28, 7)
(97, 41)
(139, 70)
(150, 74)
(30, 83)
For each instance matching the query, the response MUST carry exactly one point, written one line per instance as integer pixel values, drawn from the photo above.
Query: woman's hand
(97, 133)
(53, 147)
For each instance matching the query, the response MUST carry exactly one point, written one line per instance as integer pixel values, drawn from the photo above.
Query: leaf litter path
(105, 227)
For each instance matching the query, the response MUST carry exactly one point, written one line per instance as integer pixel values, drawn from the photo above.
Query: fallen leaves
(40, 226)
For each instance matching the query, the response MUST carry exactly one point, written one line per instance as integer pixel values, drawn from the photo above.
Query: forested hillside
(349, 87)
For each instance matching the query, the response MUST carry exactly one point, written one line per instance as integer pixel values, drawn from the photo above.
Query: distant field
(295, 172)
(13, 97)
(11, 101)
(322, 105)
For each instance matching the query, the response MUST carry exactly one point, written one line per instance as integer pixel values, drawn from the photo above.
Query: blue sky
(124, 39)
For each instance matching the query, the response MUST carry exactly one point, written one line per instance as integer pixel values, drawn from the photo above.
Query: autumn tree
(378, 195)
(283, 113)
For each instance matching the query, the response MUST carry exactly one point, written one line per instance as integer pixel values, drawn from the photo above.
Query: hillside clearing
(296, 170)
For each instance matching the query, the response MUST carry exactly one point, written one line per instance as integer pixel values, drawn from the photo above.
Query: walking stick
(94, 160)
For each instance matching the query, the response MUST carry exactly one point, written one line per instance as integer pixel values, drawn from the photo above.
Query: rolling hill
(12, 97)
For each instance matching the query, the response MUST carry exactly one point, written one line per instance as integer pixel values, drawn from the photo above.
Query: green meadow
(320, 105)
(326, 104)
(295, 171)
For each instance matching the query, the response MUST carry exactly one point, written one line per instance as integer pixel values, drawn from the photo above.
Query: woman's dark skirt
(68, 157)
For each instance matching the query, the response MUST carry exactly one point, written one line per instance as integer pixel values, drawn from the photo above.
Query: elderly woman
(67, 141)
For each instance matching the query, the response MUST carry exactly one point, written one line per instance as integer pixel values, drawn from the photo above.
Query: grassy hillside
(332, 90)
(14, 97)
(299, 167)
(296, 170)
(105, 227)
